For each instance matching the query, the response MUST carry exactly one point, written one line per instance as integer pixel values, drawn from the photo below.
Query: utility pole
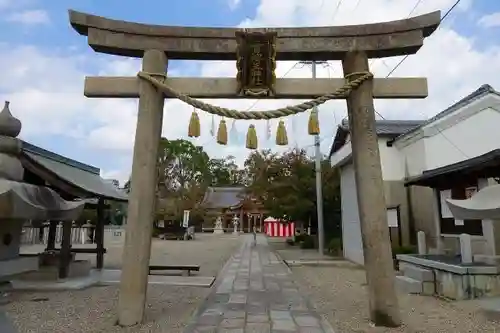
(319, 192)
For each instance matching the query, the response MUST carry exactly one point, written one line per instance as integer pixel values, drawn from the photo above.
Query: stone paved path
(256, 293)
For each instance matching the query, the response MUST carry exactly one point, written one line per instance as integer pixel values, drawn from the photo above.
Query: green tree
(286, 186)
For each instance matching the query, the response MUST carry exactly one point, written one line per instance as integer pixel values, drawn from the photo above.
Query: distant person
(254, 235)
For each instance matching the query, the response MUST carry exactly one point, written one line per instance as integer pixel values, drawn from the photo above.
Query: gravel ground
(339, 294)
(169, 309)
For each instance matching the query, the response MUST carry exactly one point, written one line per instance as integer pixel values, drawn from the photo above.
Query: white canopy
(26, 201)
(483, 205)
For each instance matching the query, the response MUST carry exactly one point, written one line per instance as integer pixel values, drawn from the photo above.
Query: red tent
(277, 228)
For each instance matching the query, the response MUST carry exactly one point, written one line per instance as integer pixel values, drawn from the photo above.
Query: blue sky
(44, 62)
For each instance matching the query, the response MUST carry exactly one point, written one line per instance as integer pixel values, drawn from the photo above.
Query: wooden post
(384, 309)
(241, 220)
(137, 249)
(51, 237)
(65, 253)
(99, 234)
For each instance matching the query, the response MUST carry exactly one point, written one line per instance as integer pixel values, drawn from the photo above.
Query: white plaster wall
(471, 137)
(392, 161)
(414, 158)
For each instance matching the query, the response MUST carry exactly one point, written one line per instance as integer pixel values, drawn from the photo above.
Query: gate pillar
(139, 229)
(384, 308)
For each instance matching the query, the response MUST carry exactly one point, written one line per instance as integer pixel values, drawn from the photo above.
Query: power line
(336, 10)
(406, 56)
(408, 16)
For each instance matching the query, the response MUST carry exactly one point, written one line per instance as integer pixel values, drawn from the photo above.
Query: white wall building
(411, 151)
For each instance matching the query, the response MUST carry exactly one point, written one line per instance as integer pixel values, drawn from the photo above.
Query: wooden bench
(83, 250)
(184, 268)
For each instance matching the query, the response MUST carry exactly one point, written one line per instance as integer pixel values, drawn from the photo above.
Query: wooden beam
(213, 88)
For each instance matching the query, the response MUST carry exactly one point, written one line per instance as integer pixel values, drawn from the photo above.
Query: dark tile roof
(223, 197)
(482, 91)
(400, 128)
(83, 176)
(384, 128)
(482, 166)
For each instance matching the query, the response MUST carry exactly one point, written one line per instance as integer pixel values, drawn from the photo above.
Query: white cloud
(490, 20)
(233, 4)
(29, 17)
(47, 88)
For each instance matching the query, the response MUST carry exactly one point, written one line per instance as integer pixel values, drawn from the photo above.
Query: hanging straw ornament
(222, 133)
(251, 137)
(268, 129)
(233, 132)
(194, 125)
(281, 136)
(212, 126)
(313, 126)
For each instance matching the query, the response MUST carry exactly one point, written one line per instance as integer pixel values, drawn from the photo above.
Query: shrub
(334, 246)
(300, 238)
(307, 243)
(401, 250)
(290, 242)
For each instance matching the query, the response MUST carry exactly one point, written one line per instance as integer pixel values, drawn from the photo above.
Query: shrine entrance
(256, 52)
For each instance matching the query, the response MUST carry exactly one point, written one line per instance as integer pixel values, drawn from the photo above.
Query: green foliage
(334, 246)
(290, 241)
(307, 243)
(283, 183)
(403, 250)
(300, 238)
(286, 185)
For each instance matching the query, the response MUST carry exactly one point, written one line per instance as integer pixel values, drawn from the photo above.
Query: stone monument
(218, 226)
(236, 222)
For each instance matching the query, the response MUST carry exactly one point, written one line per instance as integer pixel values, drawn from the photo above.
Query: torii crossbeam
(353, 45)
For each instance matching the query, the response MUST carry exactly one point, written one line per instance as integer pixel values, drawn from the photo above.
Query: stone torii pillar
(137, 250)
(353, 45)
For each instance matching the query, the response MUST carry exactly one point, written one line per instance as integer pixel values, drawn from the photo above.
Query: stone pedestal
(218, 231)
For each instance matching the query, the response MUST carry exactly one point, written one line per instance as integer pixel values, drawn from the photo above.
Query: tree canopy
(284, 183)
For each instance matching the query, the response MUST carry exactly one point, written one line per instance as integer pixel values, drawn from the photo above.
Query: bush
(307, 243)
(290, 242)
(401, 250)
(335, 246)
(300, 238)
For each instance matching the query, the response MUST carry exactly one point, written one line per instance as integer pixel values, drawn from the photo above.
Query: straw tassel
(222, 133)
(281, 136)
(194, 126)
(313, 126)
(251, 137)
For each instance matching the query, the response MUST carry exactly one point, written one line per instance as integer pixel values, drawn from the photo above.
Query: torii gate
(353, 45)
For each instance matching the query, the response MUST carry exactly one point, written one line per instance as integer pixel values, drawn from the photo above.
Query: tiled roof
(83, 176)
(391, 127)
(386, 128)
(223, 197)
(400, 128)
(482, 91)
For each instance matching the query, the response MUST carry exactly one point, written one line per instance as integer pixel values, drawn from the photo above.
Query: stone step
(491, 308)
(418, 273)
(408, 285)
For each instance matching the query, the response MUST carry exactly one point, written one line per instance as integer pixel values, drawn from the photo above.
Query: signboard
(185, 220)
(392, 218)
(256, 63)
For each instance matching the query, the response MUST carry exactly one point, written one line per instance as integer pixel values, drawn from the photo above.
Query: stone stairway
(415, 280)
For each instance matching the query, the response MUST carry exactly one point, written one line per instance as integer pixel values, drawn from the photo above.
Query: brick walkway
(255, 293)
